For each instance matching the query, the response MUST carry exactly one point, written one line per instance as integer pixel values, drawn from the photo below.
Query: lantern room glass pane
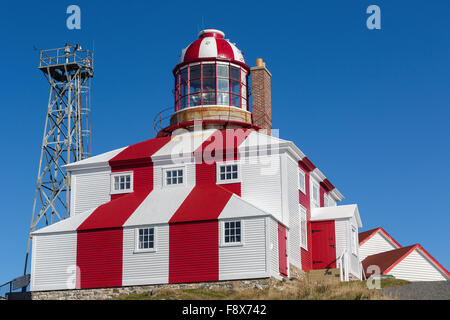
(243, 77)
(195, 86)
(195, 72)
(222, 71)
(209, 84)
(184, 75)
(209, 70)
(184, 89)
(235, 101)
(195, 99)
(235, 87)
(209, 98)
(235, 73)
(222, 98)
(223, 85)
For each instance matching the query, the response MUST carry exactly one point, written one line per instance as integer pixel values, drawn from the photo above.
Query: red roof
(389, 259)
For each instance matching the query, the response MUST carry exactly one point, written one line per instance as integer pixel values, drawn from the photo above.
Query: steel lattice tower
(67, 131)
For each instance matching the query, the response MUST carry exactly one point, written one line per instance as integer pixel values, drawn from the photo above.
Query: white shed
(412, 263)
(375, 241)
(345, 221)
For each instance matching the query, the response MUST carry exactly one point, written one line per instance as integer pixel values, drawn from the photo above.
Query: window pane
(209, 70)
(243, 77)
(183, 103)
(184, 76)
(222, 71)
(235, 73)
(222, 99)
(169, 181)
(195, 86)
(235, 87)
(234, 175)
(235, 101)
(222, 176)
(195, 72)
(195, 99)
(180, 180)
(222, 85)
(209, 84)
(184, 89)
(209, 98)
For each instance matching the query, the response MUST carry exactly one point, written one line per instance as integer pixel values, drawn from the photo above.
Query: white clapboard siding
(294, 213)
(376, 244)
(146, 267)
(415, 267)
(355, 264)
(90, 189)
(343, 241)
(273, 247)
(261, 183)
(341, 233)
(53, 263)
(249, 259)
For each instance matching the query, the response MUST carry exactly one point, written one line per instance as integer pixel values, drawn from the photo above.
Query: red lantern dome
(211, 45)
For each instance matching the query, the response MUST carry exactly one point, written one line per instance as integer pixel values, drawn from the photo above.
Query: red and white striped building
(212, 197)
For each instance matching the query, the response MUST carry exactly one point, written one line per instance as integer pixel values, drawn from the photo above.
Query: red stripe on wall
(100, 236)
(194, 252)
(204, 202)
(232, 187)
(99, 258)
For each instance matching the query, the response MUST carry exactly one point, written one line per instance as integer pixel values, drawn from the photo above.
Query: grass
(289, 290)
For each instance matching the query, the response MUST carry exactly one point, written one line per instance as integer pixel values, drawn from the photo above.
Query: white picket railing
(343, 266)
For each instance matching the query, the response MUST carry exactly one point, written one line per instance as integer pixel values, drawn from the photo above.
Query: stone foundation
(109, 293)
(296, 273)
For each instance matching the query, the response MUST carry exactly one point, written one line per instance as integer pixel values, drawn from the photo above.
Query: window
(146, 239)
(209, 83)
(301, 181)
(121, 182)
(303, 228)
(232, 232)
(315, 195)
(355, 243)
(325, 200)
(227, 173)
(174, 176)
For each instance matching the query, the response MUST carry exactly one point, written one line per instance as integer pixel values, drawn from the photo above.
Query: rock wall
(109, 293)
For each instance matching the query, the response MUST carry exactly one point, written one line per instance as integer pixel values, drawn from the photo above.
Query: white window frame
(354, 237)
(228, 163)
(303, 227)
(164, 176)
(222, 236)
(118, 174)
(326, 200)
(301, 175)
(314, 204)
(136, 246)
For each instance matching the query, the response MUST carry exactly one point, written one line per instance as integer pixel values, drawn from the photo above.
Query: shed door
(282, 253)
(323, 245)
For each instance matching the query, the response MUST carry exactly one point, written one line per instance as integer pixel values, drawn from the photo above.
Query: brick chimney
(261, 92)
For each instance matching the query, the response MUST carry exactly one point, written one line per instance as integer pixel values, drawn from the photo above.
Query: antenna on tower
(67, 131)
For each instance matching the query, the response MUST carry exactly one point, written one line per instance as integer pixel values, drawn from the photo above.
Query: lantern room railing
(162, 119)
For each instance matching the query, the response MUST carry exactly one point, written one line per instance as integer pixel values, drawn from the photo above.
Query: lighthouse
(188, 206)
(211, 85)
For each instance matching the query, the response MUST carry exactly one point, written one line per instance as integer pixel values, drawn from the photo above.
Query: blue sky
(370, 108)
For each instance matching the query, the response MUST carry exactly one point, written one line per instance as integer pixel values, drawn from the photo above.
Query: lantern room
(211, 84)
